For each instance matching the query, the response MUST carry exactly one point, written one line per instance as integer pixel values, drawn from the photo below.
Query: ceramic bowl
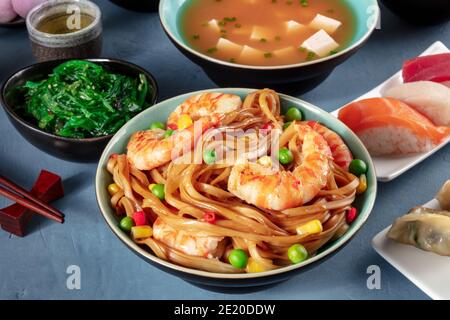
(138, 5)
(219, 281)
(306, 74)
(420, 12)
(80, 150)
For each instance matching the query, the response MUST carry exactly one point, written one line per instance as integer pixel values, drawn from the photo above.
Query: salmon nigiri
(388, 126)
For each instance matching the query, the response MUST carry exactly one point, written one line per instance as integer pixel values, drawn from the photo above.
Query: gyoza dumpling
(424, 228)
(443, 196)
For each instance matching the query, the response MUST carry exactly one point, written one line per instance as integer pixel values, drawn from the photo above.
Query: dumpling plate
(428, 271)
(390, 167)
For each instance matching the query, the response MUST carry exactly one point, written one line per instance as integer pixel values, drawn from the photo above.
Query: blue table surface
(34, 267)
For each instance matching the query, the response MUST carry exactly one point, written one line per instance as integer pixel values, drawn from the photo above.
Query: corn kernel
(184, 121)
(311, 227)
(141, 232)
(253, 266)
(113, 189)
(362, 187)
(265, 161)
(150, 186)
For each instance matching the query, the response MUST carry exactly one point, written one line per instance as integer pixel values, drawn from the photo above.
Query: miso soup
(267, 32)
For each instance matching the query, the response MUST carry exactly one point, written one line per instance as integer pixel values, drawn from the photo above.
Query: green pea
(293, 114)
(209, 156)
(286, 125)
(126, 224)
(158, 191)
(358, 167)
(285, 156)
(297, 253)
(157, 125)
(168, 133)
(238, 258)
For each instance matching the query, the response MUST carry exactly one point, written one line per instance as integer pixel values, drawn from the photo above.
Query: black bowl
(420, 11)
(79, 150)
(299, 79)
(138, 5)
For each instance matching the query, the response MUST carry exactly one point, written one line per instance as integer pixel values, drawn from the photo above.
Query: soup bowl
(220, 281)
(420, 12)
(305, 74)
(138, 5)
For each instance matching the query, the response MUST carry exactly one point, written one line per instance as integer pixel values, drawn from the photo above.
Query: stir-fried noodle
(194, 187)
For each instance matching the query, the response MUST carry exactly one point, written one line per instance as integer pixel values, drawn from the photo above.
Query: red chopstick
(21, 191)
(30, 205)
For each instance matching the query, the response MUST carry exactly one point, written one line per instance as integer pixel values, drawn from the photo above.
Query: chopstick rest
(14, 218)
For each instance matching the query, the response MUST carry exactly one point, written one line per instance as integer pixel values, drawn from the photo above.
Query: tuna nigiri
(388, 126)
(434, 68)
(429, 98)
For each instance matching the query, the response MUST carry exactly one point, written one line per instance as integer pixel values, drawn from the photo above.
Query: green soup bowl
(233, 282)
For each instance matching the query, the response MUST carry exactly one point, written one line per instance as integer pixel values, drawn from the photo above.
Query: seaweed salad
(81, 99)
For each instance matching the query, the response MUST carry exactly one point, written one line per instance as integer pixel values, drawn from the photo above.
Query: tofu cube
(249, 55)
(285, 52)
(293, 26)
(330, 25)
(214, 25)
(321, 43)
(259, 33)
(229, 47)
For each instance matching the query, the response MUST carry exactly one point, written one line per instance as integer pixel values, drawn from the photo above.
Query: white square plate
(428, 271)
(390, 167)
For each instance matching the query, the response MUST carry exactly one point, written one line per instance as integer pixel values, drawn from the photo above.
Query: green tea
(65, 23)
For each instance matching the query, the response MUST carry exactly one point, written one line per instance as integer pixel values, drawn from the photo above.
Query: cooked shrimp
(341, 153)
(198, 245)
(273, 189)
(212, 105)
(149, 149)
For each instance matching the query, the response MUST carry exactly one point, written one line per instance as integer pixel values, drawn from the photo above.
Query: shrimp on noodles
(270, 188)
(195, 245)
(212, 105)
(150, 149)
(342, 155)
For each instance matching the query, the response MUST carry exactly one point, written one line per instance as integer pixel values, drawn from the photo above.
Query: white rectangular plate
(390, 167)
(428, 271)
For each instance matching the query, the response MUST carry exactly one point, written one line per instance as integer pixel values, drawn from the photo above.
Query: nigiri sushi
(388, 126)
(434, 68)
(429, 98)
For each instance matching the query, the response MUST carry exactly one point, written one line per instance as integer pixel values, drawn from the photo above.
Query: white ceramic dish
(390, 167)
(427, 270)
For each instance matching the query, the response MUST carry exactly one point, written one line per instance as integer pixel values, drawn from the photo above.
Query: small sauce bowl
(82, 43)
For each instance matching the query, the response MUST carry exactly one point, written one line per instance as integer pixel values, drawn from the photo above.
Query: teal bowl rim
(358, 43)
(108, 214)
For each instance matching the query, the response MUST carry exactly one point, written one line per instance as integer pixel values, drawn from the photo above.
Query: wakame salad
(81, 99)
